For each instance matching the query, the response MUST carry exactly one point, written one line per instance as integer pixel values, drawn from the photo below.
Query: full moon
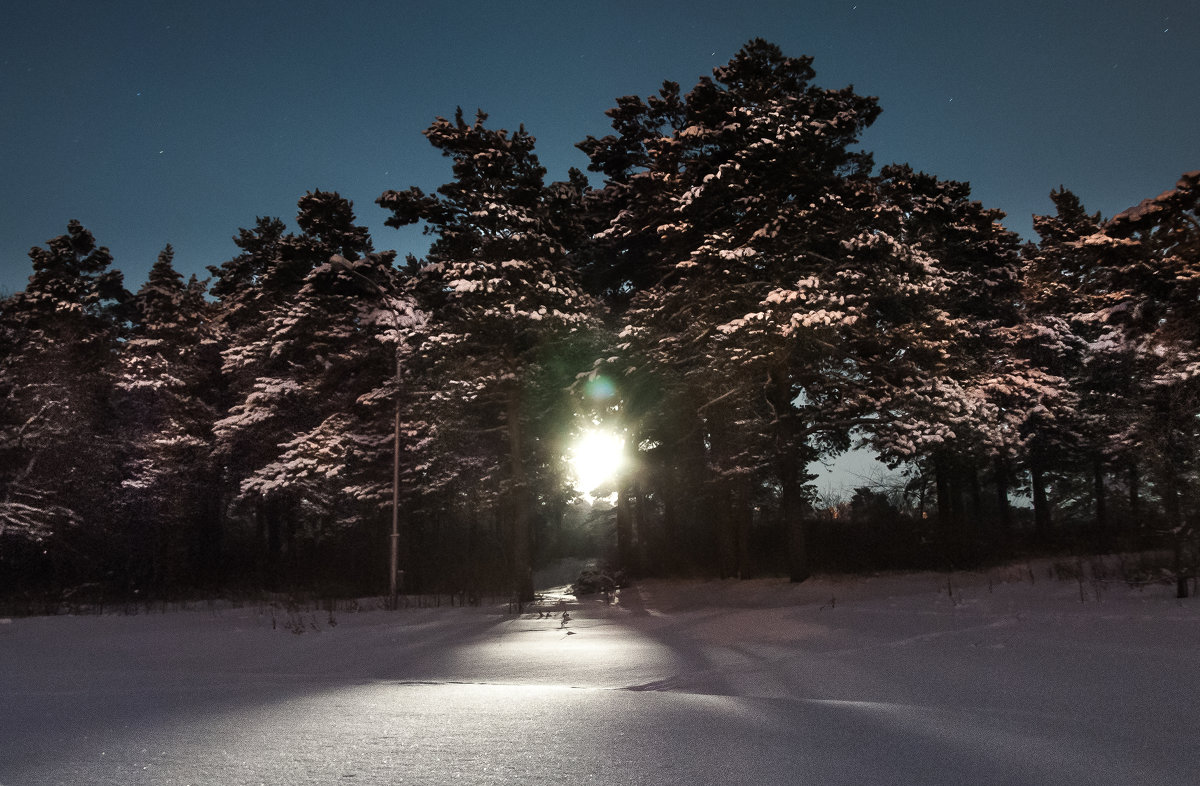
(595, 458)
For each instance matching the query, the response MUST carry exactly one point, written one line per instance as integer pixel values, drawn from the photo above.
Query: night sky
(179, 122)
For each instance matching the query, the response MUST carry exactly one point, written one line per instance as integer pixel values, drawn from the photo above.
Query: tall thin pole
(394, 580)
(394, 589)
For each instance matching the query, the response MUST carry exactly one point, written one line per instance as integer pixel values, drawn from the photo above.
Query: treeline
(742, 296)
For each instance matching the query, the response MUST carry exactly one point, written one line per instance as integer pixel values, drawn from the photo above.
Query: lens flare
(600, 389)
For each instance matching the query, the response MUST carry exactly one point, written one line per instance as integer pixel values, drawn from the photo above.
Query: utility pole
(394, 571)
(394, 562)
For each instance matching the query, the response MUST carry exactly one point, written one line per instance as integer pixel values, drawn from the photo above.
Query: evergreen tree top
(72, 290)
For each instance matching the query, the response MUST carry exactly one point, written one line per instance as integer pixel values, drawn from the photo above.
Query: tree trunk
(723, 523)
(290, 555)
(1098, 492)
(922, 493)
(1173, 508)
(942, 481)
(268, 526)
(976, 495)
(521, 536)
(693, 494)
(1041, 504)
(625, 557)
(641, 528)
(1135, 507)
(957, 516)
(670, 556)
(743, 514)
(789, 468)
(210, 535)
(792, 510)
(1002, 504)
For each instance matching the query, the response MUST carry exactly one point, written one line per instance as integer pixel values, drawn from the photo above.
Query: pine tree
(945, 415)
(295, 426)
(1070, 287)
(1162, 319)
(169, 383)
(501, 292)
(729, 213)
(57, 443)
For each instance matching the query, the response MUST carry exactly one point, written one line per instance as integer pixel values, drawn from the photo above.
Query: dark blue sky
(179, 122)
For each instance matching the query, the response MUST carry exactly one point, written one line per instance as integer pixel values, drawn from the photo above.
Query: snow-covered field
(1007, 677)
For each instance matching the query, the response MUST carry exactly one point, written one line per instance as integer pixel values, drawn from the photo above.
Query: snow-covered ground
(1007, 677)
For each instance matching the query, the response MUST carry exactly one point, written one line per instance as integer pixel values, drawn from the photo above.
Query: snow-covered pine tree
(1162, 275)
(296, 426)
(627, 258)
(941, 417)
(501, 292)
(169, 380)
(1037, 419)
(59, 452)
(1071, 287)
(238, 284)
(716, 202)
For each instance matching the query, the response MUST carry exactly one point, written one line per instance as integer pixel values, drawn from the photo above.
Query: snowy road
(888, 680)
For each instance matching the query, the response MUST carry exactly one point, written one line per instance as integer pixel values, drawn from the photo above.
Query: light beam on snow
(595, 459)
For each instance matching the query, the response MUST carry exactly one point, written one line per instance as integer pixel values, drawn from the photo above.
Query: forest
(736, 288)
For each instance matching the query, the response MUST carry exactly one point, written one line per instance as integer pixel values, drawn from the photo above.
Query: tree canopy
(737, 290)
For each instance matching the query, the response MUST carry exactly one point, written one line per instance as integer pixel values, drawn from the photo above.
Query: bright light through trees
(595, 459)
